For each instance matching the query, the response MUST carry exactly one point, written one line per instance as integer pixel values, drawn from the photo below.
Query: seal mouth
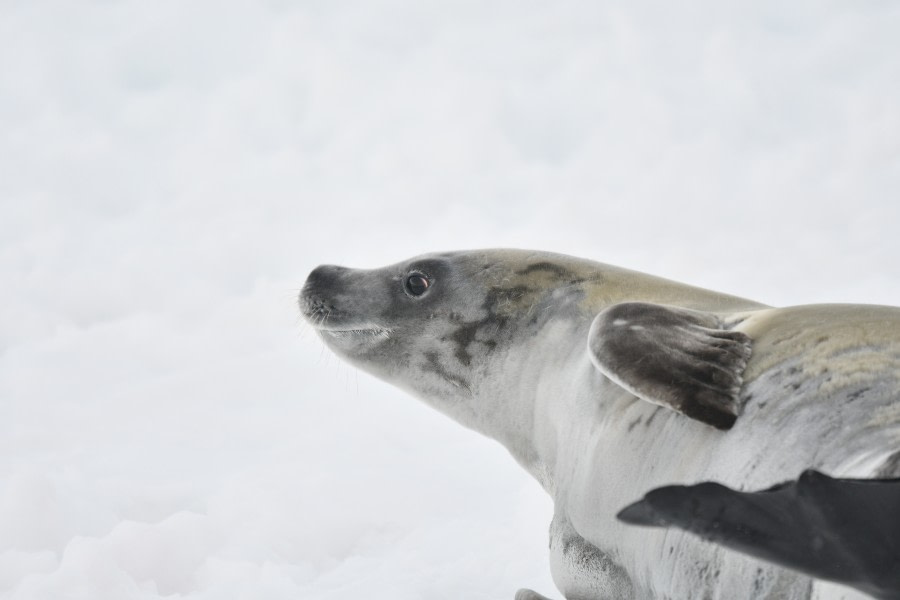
(373, 331)
(323, 322)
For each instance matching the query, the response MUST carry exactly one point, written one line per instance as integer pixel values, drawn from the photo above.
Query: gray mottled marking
(556, 269)
(433, 364)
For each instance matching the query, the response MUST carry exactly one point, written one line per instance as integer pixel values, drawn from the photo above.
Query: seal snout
(317, 296)
(338, 300)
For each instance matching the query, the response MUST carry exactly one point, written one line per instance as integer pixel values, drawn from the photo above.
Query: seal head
(432, 325)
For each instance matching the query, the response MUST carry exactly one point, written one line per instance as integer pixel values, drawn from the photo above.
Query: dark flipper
(682, 359)
(842, 530)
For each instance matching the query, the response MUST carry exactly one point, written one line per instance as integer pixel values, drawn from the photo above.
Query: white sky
(171, 171)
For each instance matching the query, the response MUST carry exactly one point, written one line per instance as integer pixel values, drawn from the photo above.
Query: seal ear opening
(682, 359)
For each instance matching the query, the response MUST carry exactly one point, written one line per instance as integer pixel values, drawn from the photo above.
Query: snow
(170, 172)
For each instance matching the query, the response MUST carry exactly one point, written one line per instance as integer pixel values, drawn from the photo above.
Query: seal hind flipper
(842, 530)
(678, 358)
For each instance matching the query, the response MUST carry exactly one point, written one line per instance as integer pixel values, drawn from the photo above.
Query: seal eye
(416, 284)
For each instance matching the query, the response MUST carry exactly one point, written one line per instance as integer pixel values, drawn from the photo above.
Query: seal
(605, 383)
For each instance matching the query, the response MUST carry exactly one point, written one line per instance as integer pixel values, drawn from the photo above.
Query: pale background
(170, 172)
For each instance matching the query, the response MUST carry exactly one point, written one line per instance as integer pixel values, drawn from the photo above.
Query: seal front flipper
(678, 358)
(842, 530)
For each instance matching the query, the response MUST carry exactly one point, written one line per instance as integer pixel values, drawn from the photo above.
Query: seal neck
(523, 404)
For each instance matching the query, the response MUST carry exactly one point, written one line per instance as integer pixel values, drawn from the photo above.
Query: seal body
(514, 344)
